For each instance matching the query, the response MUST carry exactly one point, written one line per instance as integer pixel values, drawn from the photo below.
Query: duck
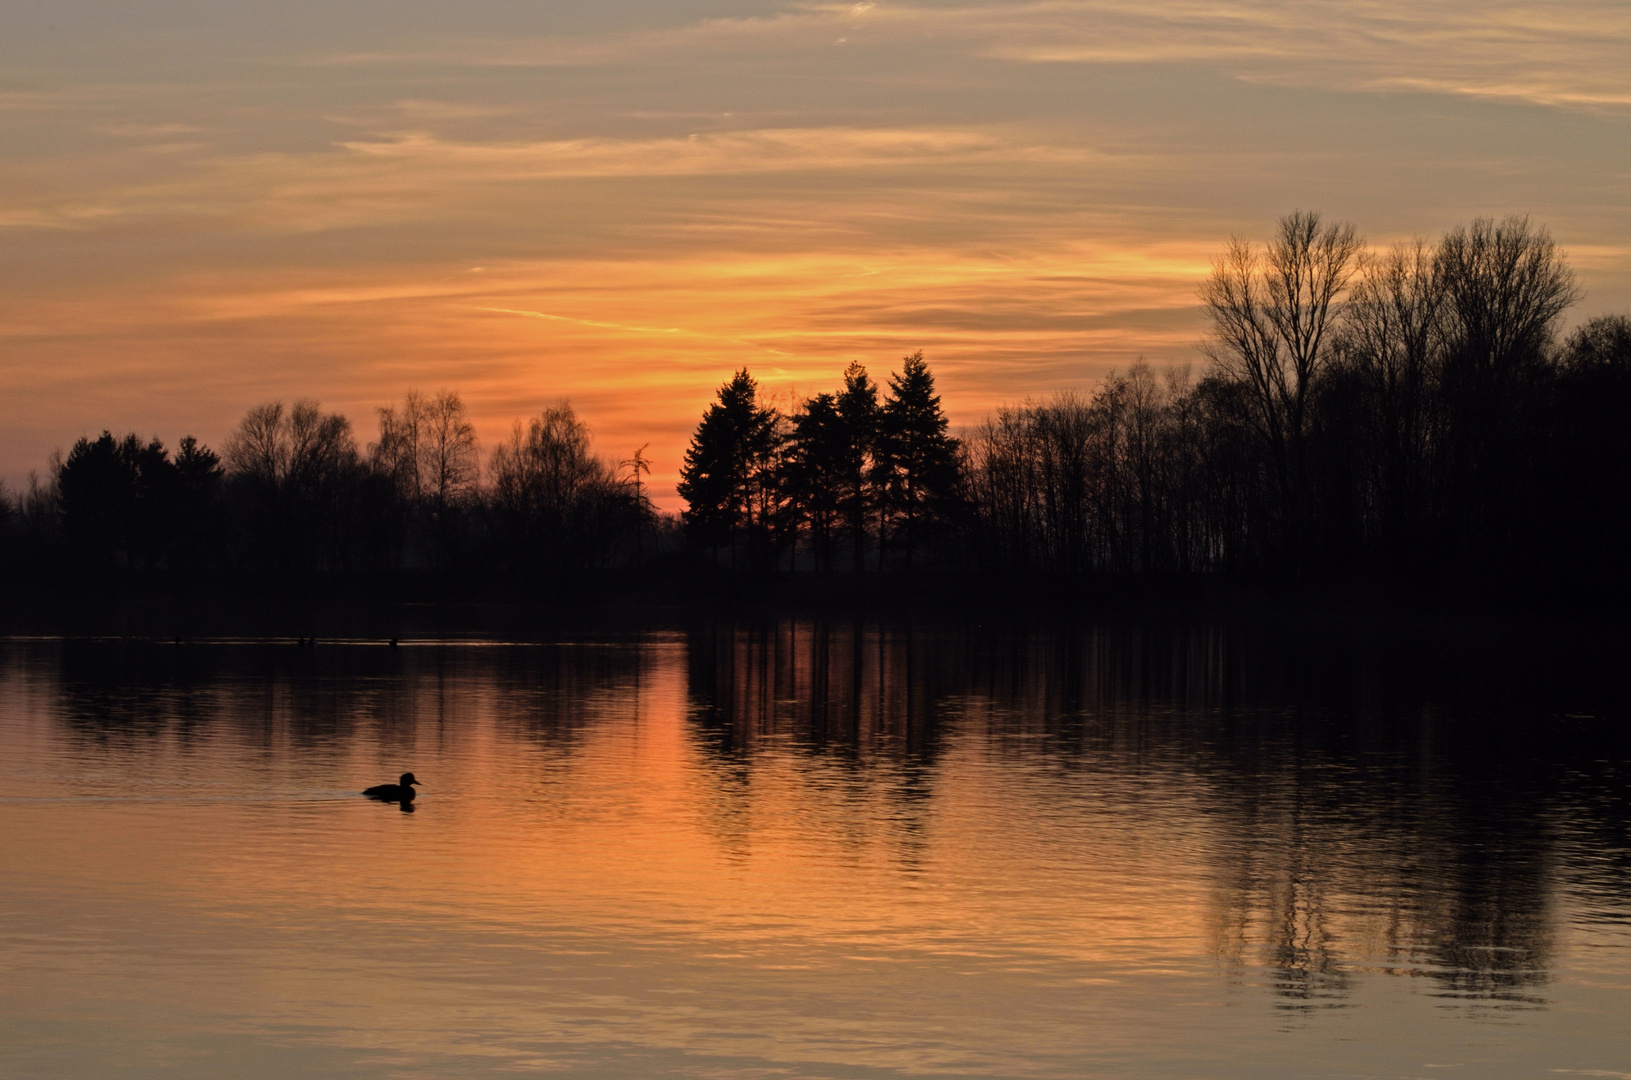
(401, 791)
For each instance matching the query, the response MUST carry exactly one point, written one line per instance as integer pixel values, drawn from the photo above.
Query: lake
(821, 848)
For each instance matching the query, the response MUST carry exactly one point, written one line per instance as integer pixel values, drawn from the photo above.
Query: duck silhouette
(401, 791)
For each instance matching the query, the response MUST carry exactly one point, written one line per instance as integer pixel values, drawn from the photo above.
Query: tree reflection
(1372, 806)
(1348, 801)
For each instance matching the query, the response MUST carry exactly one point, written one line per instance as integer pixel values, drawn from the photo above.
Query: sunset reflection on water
(810, 849)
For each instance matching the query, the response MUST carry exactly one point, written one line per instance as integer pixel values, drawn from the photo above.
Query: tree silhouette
(724, 472)
(555, 506)
(449, 467)
(916, 459)
(857, 406)
(294, 473)
(199, 522)
(638, 465)
(1272, 320)
(818, 459)
(1506, 286)
(98, 486)
(1391, 347)
(1587, 474)
(1404, 419)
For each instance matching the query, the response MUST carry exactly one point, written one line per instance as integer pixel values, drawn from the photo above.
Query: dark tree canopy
(724, 468)
(817, 463)
(916, 460)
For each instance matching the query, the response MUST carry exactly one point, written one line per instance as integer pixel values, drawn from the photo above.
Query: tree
(125, 502)
(199, 529)
(448, 469)
(397, 453)
(725, 467)
(1506, 286)
(1588, 463)
(1392, 344)
(816, 463)
(638, 465)
(1004, 462)
(857, 408)
(294, 473)
(97, 485)
(1145, 449)
(917, 462)
(556, 506)
(1272, 320)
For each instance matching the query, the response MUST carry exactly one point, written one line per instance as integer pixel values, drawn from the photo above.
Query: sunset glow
(207, 206)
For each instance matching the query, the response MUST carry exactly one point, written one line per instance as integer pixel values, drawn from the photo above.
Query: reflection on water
(812, 848)
(1349, 836)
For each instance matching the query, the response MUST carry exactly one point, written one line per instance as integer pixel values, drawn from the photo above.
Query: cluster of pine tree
(850, 480)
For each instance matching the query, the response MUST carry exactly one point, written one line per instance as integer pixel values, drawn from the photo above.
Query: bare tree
(259, 449)
(295, 467)
(448, 467)
(1001, 458)
(319, 446)
(397, 454)
(1146, 413)
(1393, 341)
(1272, 320)
(637, 466)
(555, 503)
(1506, 285)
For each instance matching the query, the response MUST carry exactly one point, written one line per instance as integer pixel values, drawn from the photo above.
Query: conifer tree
(725, 463)
(916, 459)
(857, 407)
(815, 473)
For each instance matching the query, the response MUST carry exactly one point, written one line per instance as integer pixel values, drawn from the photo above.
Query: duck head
(406, 782)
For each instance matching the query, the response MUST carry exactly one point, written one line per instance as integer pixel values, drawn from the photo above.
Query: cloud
(1569, 55)
(393, 176)
(715, 153)
(1566, 55)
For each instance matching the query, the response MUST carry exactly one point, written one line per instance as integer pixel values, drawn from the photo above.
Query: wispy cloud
(394, 175)
(1552, 54)
(716, 153)
(1568, 55)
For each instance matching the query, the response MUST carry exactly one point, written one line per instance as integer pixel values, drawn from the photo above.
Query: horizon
(619, 206)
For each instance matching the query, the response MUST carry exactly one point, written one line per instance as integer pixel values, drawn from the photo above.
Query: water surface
(802, 849)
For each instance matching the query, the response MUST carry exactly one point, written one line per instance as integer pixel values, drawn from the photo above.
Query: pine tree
(916, 459)
(857, 407)
(725, 463)
(815, 473)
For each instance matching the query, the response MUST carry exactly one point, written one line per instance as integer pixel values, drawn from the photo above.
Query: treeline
(292, 492)
(1405, 416)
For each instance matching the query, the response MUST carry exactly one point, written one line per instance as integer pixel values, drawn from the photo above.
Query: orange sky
(206, 206)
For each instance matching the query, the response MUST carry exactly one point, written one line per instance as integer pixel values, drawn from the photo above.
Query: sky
(209, 204)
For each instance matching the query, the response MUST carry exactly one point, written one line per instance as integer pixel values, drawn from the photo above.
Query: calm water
(802, 850)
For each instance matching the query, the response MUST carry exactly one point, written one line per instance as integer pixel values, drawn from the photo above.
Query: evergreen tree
(916, 459)
(815, 473)
(857, 407)
(725, 466)
(200, 528)
(97, 483)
